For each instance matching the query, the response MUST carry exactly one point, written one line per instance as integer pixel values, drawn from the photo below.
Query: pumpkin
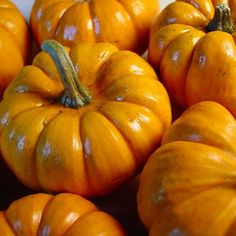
(187, 186)
(84, 123)
(125, 23)
(14, 43)
(192, 46)
(64, 214)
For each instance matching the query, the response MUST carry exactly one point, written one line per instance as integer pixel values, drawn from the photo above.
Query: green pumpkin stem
(222, 20)
(75, 95)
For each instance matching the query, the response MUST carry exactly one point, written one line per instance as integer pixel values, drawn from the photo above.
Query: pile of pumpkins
(88, 114)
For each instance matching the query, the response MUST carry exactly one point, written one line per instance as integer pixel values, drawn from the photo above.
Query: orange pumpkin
(125, 23)
(187, 186)
(57, 136)
(14, 42)
(64, 214)
(192, 47)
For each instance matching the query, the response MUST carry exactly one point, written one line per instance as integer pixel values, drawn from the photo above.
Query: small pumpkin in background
(187, 186)
(58, 136)
(64, 214)
(125, 23)
(14, 43)
(192, 46)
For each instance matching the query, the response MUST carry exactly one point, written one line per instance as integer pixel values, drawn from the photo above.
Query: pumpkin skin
(187, 186)
(64, 214)
(194, 65)
(14, 43)
(125, 23)
(94, 149)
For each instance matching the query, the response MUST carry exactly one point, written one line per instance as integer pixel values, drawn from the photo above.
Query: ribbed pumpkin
(14, 43)
(57, 136)
(187, 186)
(64, 214)
(124, 23)
(192, 47)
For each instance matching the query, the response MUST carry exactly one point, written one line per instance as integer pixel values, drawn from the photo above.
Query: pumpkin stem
(75, 95)
(222, 20)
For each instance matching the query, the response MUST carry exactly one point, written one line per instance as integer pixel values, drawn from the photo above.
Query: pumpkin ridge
(159, 24)
(173, 211)
(8, 31)
(157, 115)
(126, 139)
(183, 92)
(131, 19)
(27, 199)
(44, 212)
(37, 146)
(188, 28)
(92, 17)
(79, 219)
(188, 69)
(123, 136)
(111, 123)
(61, 18)
(51, 200)
(199, 8)
(64, 17)
(19, 113)
(103, 89)
(6, 219)
(228, 180)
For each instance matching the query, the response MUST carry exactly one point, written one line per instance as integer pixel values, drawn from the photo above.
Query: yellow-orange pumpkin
(124, 23)
(66, 139)
(187, 186)
(194, 51)
(14, 43)
(64, 214)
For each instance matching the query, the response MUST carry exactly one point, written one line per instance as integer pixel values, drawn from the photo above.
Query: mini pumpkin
(57, 136)
(192, 47)
(14, 43)
(187, 186)
(64, 214)
(125, 23)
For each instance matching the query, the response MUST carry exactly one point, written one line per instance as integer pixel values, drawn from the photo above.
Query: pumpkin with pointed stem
(84, 124)
(192, 47)
(14, 43)
(187, 186)
(124, 23)
(64, 214)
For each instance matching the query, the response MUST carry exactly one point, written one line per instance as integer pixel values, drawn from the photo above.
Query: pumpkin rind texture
(14, 43)
(193, 64)
(124, 23)
(187, 186)
(94, 149)
(64, 214)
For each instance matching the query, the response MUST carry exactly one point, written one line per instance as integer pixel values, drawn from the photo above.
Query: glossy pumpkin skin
(94, 149)
(125, 23)
(194, 65)
(14, 43)
(187, 186)
(64, 214)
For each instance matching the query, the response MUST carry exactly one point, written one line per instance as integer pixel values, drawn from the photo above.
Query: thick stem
(75, 95)
(222, 20)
